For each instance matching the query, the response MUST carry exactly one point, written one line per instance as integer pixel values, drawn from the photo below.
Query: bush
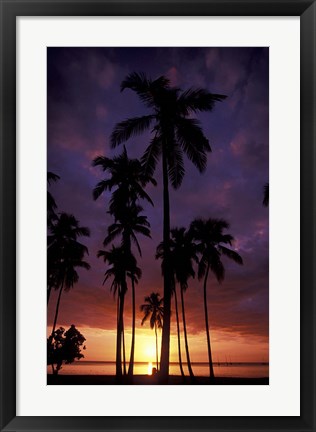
(64, 347)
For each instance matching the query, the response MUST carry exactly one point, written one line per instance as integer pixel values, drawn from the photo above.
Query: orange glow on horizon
(101, 345)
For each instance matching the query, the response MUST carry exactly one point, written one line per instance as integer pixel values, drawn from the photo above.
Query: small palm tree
(175, 133)
(211, 244)
(66, 254)
(153, 309)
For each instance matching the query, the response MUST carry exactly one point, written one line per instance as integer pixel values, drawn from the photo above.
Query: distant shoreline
(149, 380)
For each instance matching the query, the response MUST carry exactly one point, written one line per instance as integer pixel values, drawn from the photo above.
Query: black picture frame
(10, 9)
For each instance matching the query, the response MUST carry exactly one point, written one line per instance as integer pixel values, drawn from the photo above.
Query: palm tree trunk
(49, 289)
(185, 336)
(156, 346)
(207, 327)
(131, 360)
(57, 307)
(123, 347)
(165, 339)
(178, 331)
(119, 339)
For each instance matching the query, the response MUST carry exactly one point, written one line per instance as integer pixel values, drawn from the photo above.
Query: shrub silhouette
(64, 347)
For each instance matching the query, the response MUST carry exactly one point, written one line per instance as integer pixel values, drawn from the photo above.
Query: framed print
(139, 144)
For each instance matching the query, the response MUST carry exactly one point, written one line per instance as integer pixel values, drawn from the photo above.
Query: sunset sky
(84, 104)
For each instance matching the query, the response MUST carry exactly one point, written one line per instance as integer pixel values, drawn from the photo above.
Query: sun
(150, 351)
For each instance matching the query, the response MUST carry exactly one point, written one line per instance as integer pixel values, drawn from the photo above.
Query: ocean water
(236, 370)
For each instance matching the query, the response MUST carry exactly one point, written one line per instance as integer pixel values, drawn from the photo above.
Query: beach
(150, 380)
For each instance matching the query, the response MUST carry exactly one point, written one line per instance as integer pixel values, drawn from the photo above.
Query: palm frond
(151, 156)
(130, 127)
(233, 255)
(52, 177)
(198, 99)
(175, 166)
(190, 137)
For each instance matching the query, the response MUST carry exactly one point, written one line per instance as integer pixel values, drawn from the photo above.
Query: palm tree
(120, 267)
(265, 201)
(174, 132)
(182, 255)
(183, 251)
(160, 255)
(153, 309)
(66, 254)
(116, 259)
(130, 223)
(128, 178)
(211, 245)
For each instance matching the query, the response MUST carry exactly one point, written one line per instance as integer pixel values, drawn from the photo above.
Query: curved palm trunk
(185, 336)
(131, 360)
(156, 346)
(57, 307)
(178, 331)
(165, 339)
(207, 327)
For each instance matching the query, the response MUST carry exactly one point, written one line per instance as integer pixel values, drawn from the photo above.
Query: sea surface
(236, 370)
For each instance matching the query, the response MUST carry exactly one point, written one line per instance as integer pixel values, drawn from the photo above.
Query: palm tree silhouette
(153, 309)
(160, 255)
(129, 224)
(211, 240)
(66, 254)
(265, 201)
(175, 133)
(128, 179)
(120, 266)
(183, 251)
(182, 254)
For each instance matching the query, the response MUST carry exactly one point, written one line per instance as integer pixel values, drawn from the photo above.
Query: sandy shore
(148, 380)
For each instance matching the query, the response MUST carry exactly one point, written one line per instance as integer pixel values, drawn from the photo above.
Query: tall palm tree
(153, 309)
(175, 133)
(212, 245)
(130, 223)
(128, 179)
(66, 254)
